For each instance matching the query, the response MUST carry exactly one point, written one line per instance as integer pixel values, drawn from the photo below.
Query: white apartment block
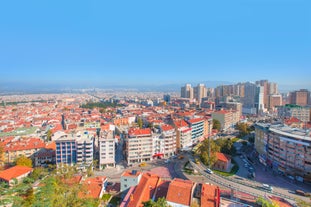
(168, 135)
(183, 135)
(107, 149)
(139, 145)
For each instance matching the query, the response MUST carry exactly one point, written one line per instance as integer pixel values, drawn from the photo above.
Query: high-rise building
(260, 97)
(200, 92)
(187, 91)
(301, 97)
(274, 100)
(249, 95)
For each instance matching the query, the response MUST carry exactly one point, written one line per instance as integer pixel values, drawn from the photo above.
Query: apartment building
(168, 134)
(291, 110)
(226, 118)
(197, 129)
(301, 97)
(183, 135)
(129, 179)
(75, 149)
(15, 147)
(139, 145)
(187, 91)
(287, 150)
(106, 149)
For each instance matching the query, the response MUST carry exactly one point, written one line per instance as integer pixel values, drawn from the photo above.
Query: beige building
(226, 118)
(139, 145)
(285, 149)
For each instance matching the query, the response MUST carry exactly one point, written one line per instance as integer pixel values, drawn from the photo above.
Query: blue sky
(97, 43)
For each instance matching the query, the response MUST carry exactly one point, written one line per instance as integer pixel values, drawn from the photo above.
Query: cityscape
(155, 104)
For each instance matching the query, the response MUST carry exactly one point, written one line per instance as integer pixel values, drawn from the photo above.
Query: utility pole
(209, 142)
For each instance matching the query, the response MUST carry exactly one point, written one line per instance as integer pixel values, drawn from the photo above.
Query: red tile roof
(179, 191)
(280, 201)
(129, 174)
(167, 127)
(210, 195)
(24, 144)
(137, 131)
(180, 123)
(196, 120)
(145, 190)
(93, 187)
(222, 157)
(14, 172)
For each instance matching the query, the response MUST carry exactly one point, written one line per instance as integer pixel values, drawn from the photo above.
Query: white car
(209, 171)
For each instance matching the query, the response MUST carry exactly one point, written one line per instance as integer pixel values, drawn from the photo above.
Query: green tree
(140, 122)
(226, 146)
(49, 135)
(1, 156)
(194, 204)
(61, 189)
(161, 202)
(216, 124)
(244, 129)
(23, 161)
(203, 149)
(266, 203)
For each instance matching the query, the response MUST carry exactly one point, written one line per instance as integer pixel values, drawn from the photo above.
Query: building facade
(289, 110)
(107, 149)
(197, 129)
(75, 149)
(139, 145)
(284, 149)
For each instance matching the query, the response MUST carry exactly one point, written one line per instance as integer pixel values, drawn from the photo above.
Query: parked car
(302, 193)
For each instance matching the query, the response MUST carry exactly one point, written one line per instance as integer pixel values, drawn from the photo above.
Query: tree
(23, 161)
(1, 156)
(216, 124)
(140, 122)
(203, 149)
(244, 129)
(161, 202)
(194, 204)
(226, 146)
(60, 189)
(266, 203)
(49, 135)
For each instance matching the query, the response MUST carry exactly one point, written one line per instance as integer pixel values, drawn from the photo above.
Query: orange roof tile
(137, 131)
(93, 187)
(209, 195)
(167, 127)
(222, 157)
(14, 172)
(196, 120)
(179, 191)
(144, 190)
